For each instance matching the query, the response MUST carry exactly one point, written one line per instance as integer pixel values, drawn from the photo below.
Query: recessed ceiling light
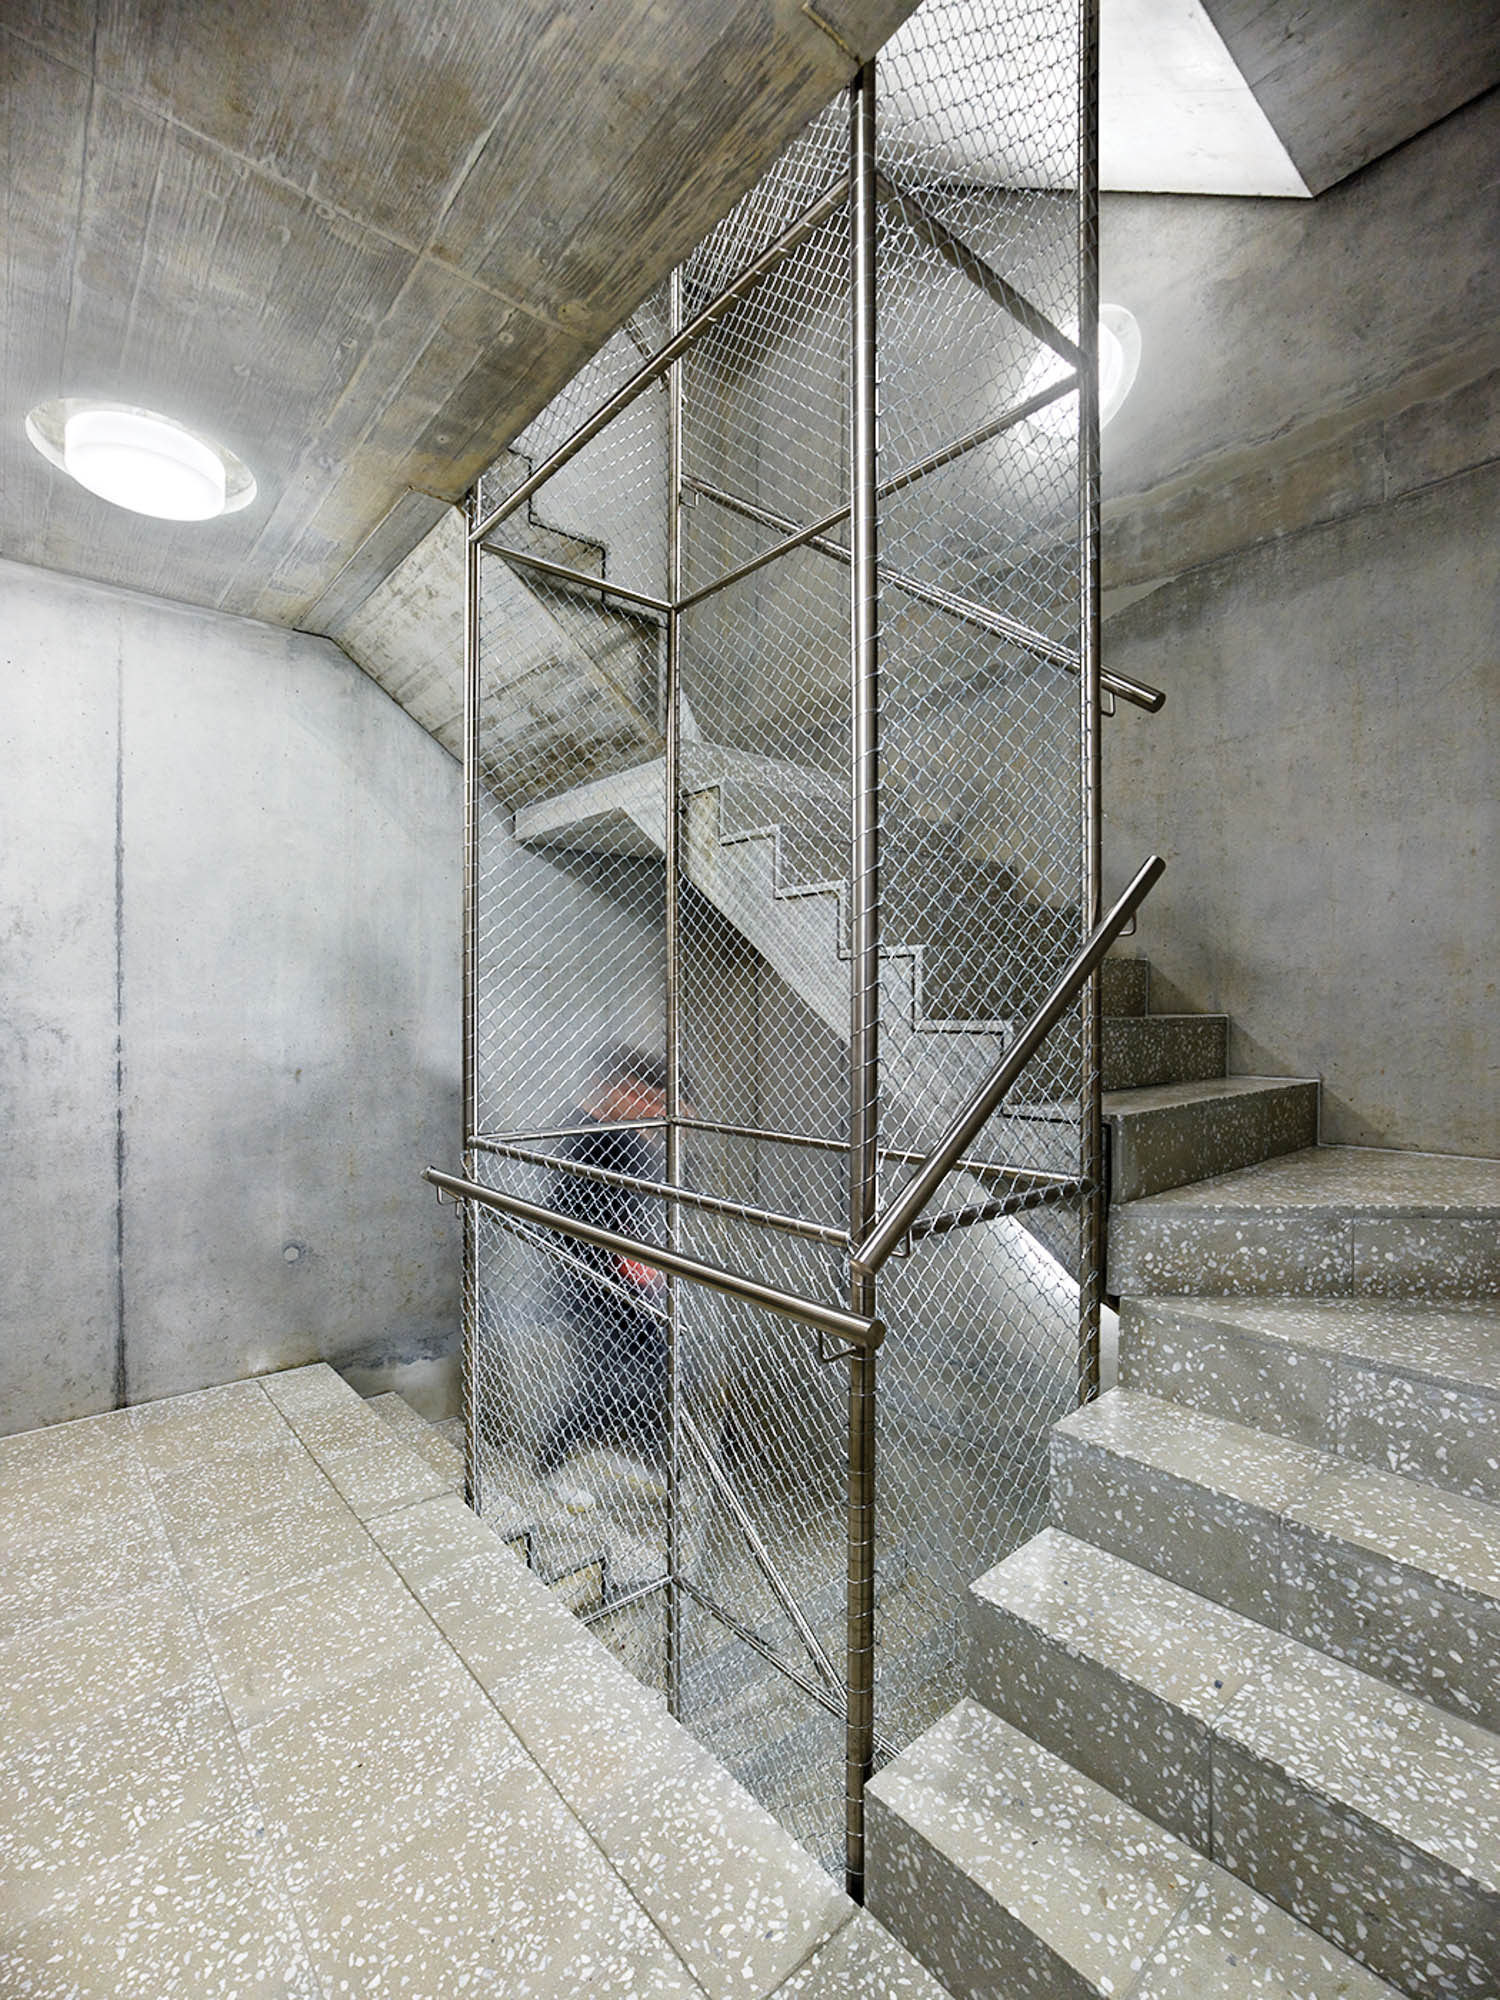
(141, 460)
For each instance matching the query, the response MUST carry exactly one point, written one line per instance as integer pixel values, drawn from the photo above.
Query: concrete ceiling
(363, 241)
(1345, 81)
(358, 241)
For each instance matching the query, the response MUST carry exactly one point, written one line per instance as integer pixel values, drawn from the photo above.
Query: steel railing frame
(849, 1335)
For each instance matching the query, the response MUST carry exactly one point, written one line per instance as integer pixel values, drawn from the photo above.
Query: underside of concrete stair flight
(1016, 1877)
(764, 839)
(572, 690)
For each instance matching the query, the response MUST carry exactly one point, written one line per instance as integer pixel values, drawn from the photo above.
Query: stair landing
(283, 1718)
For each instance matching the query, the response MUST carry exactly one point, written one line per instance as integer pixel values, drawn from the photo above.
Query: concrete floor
(283, 1718)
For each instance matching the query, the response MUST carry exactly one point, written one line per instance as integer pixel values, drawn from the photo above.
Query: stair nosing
(1452, 1851)
(1318, 1468)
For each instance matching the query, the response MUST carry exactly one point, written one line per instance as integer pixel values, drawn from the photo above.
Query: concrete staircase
(574, 690)
(586, 1561)
(1232, 1717)
(766, 843)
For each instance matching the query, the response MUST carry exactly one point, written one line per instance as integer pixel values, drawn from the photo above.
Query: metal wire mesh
(663, 885)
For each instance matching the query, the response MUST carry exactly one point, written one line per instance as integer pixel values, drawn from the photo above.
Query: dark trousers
(618, 1394)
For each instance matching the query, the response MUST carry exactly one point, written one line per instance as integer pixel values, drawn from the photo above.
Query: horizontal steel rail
(953, 250)
(896, 1222)
(713, 1204)
(812, 219)
(963, 608)
(579, 578)
(855, 1329)
(903, 1156)
(992, 1211)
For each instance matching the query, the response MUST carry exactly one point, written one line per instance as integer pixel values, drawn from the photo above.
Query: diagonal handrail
(896, 1221)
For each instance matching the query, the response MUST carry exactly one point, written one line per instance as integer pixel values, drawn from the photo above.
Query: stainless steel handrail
(712, 1204)
(918, 1192)
(860, 1332)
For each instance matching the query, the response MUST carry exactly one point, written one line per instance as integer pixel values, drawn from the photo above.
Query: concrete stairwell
(1232, 1725)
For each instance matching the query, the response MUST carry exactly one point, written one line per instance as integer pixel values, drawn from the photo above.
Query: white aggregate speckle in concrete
(284, 1721)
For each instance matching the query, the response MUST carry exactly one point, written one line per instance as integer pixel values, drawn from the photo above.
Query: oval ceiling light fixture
(1119, 358)
(140, 459)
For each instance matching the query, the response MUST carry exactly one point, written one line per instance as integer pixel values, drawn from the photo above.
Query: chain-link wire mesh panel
(983, 802)
(630, 635)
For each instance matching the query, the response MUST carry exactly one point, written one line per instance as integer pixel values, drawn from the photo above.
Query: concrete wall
(1300, 500)
(229, 1016)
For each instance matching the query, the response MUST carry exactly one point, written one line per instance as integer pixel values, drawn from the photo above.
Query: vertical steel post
(864, 1041)
(1093, 1219)
(470, 1082)
(672, 719)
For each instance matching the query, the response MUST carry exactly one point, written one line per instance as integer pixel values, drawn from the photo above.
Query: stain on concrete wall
(229, 1017)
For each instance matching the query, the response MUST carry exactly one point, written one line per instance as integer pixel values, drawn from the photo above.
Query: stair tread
(1129, 1909)
(1448, 1537)
(1451, 1345)
(1346, 1179)
(1208, 1090)
(1430, 1779)
(423, 1437)
(1148, 1021)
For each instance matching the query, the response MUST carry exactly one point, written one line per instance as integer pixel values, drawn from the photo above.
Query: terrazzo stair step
(1391, 1575)
(439, 1450)
(1325, 1222)
(1014, 1877)
(1141, 1051)
(1409, 1387)
(1174, 1133)
(1124, 985)
(1367, 1814)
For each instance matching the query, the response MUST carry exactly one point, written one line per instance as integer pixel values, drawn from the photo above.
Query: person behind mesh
(618, 1391)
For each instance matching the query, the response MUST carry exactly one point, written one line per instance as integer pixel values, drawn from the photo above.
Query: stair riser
(1421, 1634)
(1124, 985)
(1123, 1736)
(1435, 1937)
(1254, 1254)
(1151, 1049)
(1397, 1910)
(1439, 1433)
(1172, 1145)
(976, 1947)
